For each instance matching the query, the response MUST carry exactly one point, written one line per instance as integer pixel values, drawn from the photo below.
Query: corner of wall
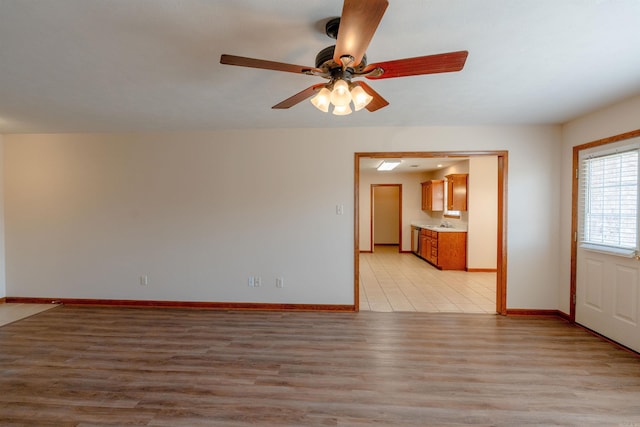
(3, 287)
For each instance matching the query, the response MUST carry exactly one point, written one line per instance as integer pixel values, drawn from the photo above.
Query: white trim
(609, 250)
(611, 148)
(599, 242)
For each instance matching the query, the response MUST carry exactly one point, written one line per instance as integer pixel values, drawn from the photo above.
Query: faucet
(446, 224)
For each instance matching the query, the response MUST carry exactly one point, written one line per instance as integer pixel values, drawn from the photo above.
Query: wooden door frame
(574, 209)
(371, 243)
(503, 157)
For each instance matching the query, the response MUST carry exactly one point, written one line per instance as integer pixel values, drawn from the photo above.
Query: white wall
(198, 213)
(3, 289)
(483, 213)
(614, 120)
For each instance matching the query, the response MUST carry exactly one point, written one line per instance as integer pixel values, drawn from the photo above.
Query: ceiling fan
(345, 61)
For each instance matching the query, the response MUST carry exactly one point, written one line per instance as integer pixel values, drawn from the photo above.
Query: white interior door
(607, 265)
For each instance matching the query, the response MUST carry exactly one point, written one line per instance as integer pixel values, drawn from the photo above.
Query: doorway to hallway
(386, 215)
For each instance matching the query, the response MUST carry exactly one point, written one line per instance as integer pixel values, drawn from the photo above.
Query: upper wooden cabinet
(433, 195)
(457, 192)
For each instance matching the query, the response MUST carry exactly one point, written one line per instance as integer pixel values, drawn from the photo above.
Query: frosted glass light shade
(388, 165)
(360, 98)
(322, 99)
(340, 95)
(342, 110)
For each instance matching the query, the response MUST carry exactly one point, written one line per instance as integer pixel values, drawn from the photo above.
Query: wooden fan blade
(358, 23)
(441, 63)
(299, 97)
(265, 65)
(377, 102)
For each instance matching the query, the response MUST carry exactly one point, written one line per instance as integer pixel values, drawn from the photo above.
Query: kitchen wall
(411, 203)
(482, 226)
(87, 214)
(616, 119)
(480, 219)
(461, 167)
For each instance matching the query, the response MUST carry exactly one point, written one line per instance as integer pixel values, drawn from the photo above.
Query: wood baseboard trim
(3, 300)
(537, 313)
(482, 270)
(201, 305)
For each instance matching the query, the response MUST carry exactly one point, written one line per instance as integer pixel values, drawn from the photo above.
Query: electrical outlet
(257, 281)
(251, 282)
(144, 280)
(279, 282)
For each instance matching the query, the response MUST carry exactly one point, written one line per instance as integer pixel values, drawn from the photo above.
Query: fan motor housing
(324, 60)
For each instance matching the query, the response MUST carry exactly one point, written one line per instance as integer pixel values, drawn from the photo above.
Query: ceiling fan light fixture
(347, 59)
(360, 98)
(340, 95)
(322, 100)
(342, 110)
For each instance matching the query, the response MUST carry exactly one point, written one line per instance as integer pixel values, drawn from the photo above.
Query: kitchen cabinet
(457, 192)
(424, 243)
(445, 250)
(433, 195)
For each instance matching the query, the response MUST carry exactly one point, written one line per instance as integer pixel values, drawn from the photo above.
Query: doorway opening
(501, 235)
(386, 215)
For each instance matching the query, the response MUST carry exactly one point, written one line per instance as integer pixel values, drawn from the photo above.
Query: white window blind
(609, 201)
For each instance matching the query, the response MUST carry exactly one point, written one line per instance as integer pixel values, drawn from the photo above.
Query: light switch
(339, 209)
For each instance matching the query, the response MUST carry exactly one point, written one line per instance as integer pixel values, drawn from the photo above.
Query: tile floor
(11, 312)
(393, 281)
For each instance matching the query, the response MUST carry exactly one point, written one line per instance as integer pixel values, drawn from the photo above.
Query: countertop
(438, 228)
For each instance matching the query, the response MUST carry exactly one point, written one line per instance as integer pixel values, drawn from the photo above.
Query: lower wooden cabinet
(445, 250)
(424, 243)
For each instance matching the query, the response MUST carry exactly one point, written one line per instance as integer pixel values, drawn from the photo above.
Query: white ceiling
(153, 65)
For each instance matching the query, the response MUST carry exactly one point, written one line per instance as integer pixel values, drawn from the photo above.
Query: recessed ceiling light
(439, 165)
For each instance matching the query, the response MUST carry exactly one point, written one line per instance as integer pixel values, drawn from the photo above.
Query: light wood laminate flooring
(83, 366)
(393, 281)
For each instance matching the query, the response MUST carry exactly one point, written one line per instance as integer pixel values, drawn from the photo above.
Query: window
(609, 200)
